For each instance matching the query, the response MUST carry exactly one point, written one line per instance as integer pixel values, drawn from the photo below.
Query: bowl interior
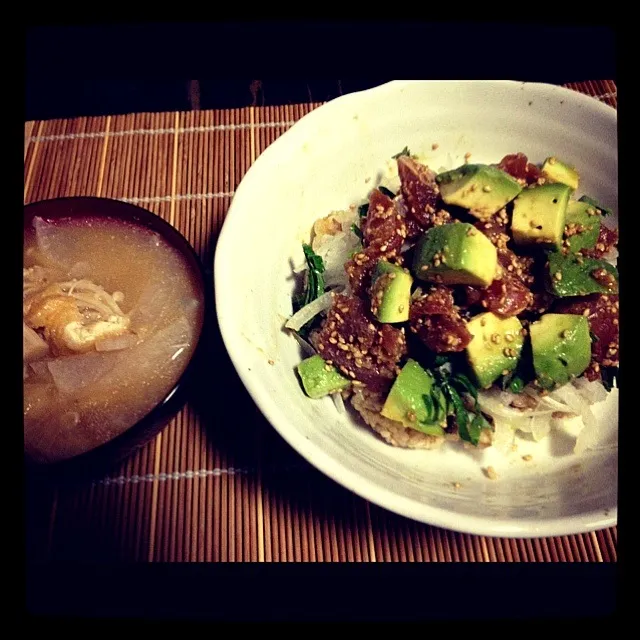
(102, 457)
(330, 160)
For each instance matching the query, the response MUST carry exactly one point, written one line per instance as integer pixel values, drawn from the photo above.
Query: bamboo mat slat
(198, 492)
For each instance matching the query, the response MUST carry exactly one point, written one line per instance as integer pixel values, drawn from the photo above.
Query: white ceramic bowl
(332, 158)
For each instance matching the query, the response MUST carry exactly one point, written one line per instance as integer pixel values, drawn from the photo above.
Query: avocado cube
(561, 347)
(390, 292)
(495, 347)
(455, 253)
(558, 171)
(572, 275)
(480, 188)
(539, 215)
(319, 378)
(405, 402)
(582, 226)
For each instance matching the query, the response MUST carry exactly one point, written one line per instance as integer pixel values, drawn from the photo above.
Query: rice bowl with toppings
(335, 157)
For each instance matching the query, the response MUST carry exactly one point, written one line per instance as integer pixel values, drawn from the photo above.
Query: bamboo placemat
(201, 491)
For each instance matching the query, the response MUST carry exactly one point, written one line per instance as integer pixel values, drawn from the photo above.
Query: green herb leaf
(466, 385)
(576, 275)
(459, 411)
(314, 261)
(356, 229)
(387, 192)
(363, 209)
(404, 152)
(428, 403)
(478, 423)
(594, 203)
(313, 281)
(439, 401)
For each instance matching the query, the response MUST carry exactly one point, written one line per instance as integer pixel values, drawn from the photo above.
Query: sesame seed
(527, 457)
(473, 187)
(508, 337)
(327, 367)
(483, 322)
(552, 160)
(586, 312)
(495, 338)
(401, 308)
(558, 275)
(486, 188)
(434, 146)
(491, 473)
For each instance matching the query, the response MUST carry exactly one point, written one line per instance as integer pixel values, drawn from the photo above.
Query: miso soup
(111, 316)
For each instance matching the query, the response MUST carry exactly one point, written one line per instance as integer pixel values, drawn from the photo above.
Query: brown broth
(96, 396)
